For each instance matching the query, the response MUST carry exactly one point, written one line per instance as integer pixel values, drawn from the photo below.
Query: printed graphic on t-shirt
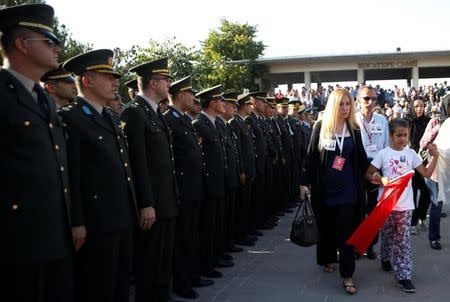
(399, 166)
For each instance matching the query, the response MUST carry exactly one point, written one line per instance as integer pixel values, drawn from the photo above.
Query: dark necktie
(107, 118)
(42, 100)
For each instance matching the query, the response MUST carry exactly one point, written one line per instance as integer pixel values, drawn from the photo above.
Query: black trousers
(286, 184)
(187, 245)
(258, 201)
(102, 267)
(418, 183)
(51, 281)
(336, 225)
(230, 221)
(243, 225)
(153, 260)
(208, 213)
(372, 195)
(220, 233)
(295, 180)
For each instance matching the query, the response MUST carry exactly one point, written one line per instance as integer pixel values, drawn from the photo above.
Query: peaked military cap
(271, 101)
(301, 108)
(132, 84)
(99, 60)
(159, 66)
(58, 74)
(185, 84)
(294, 102)
(282, 102)
(259, 95)
(243, 99)
(37, 17)
(214, 92)
(231, 97)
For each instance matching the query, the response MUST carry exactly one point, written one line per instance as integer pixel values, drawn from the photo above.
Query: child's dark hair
(397, 123)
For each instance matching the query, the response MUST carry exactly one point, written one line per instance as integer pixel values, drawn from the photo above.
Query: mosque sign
(388, 64)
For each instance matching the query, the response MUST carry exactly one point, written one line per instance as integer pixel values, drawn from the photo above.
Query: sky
(286, 27)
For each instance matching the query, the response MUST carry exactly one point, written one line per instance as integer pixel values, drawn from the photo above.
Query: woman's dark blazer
(315, 173)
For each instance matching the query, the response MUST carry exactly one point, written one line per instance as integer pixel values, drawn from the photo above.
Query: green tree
(181, 59)
(231, 42)
(69, 46)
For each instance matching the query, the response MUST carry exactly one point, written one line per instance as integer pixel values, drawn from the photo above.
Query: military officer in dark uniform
(104, 211)
(151, 154)
(36, 249)
(212, 214)
(264, 219)
(299, 148)
(274, 185)
(132, 88)
(235, 174)
(254, 120)
(247, 159)
(60, 85)
(189, 173)
(286, 143)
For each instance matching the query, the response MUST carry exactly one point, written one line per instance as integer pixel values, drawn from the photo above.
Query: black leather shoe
(202, 283)
(212, 274)
(386, 266)
(227, 257)
(235, 249)
(252, 238)
(246, 243)
(256, 233)
(187, 294)
(223, 263)
(371, 254)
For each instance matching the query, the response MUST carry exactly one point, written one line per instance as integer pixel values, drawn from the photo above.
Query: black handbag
(304, 231)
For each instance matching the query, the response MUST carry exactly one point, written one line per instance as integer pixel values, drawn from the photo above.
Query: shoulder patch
(86, 110)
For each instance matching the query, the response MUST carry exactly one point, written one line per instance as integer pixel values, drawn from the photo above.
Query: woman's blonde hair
(331, 112)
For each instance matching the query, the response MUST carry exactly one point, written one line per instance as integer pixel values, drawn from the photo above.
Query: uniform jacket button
(15, 207)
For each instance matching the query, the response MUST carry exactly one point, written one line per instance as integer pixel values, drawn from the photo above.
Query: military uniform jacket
(231, 154)
(286, 139)
(271, 150)
(298, 139)
(276, 138)
(34, 195)
(187, 154)
(259, 142)
(102, 191)
(151, 155)
(214, 157)
(246, 149)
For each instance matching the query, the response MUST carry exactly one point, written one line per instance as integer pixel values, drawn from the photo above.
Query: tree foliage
(231, 42)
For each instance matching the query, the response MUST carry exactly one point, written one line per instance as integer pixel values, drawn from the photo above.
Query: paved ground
(277, 270)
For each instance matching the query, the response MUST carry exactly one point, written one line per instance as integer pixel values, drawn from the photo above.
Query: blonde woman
(336, 163)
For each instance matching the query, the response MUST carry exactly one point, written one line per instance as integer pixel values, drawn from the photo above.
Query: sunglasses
(368, 98)
(48, 41)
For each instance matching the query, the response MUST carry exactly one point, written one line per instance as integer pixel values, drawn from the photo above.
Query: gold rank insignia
(122, 125)
(199, 140)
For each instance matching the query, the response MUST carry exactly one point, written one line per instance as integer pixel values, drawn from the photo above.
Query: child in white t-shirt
(394, 161)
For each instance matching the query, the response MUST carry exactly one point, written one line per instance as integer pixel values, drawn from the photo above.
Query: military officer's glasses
(48, 41)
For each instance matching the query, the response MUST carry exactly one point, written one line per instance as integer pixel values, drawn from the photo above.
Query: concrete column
(307, 79)
(415, 77)
(360, 76)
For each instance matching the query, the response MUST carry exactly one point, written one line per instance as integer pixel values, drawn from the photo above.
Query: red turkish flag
(369, 228)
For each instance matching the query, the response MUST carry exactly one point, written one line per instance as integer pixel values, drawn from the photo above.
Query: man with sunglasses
(152, 160)
(35, 255)
(60, 85)
(375, 137)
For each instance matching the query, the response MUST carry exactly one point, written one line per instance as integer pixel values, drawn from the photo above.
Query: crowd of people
(158, 194)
